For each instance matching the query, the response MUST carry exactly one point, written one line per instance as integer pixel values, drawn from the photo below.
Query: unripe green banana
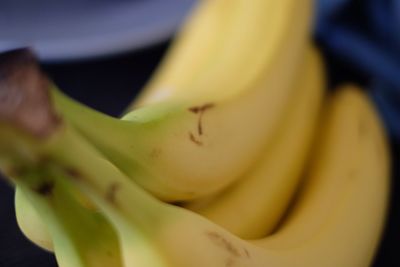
(82, 238)
(30, 221)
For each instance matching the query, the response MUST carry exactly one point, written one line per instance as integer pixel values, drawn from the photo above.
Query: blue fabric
(387, 107)
(365, 35)
(327, 8)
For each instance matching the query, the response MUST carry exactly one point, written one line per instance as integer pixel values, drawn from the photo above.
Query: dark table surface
(109, 84)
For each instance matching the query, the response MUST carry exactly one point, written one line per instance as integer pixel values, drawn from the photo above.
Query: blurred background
(102, 52)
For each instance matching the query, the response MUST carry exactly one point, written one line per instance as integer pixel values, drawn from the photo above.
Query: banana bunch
(227, 158)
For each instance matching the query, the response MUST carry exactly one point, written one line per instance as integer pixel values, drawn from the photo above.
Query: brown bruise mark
(73, 173)
(112, 192)
(194, 110)
(202, 108)
(200, 111)
(223, 242)
(155, 153)
(177, 203)
(200, 125)
(25, 101)
(194, 139)
(45, 188)
(200, 121)
(246, 252)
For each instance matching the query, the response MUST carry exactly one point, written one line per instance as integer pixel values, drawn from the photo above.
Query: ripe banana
(212, 18)
(206, 135)
(192, 51)
(336, 220)
(252, 207)
(207, 34)
(351, 174)
(202, 32)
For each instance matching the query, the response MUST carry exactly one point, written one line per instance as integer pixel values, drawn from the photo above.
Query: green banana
(71, 226)
(81, 237)
(30, 222)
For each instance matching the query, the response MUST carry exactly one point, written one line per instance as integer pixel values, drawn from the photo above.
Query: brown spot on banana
(200, 111)
(45, 188)
(155, 153)
(221, 241)
(246, 252)
(73, 173)
(112, 192)
(193, 138)
(202, 108)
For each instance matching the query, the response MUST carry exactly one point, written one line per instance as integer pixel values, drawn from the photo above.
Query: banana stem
(32, 134)
(134, 214)
(86, 167)
(97, 176)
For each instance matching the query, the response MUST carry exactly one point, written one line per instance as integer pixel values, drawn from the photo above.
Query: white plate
(76, 29)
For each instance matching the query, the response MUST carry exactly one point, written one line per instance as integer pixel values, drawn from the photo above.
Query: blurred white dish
(76, 29)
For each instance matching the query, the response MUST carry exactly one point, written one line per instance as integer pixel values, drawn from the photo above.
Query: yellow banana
(252, 207)
(353, 159)
(206, 135)
(336, 220)
(211, 19)
(192, 51)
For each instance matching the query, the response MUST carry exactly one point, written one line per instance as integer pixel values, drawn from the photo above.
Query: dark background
(109, 84)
